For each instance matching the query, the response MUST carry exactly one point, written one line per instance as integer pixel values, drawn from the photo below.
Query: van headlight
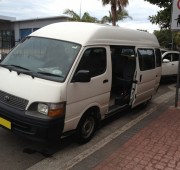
(43, 108)
(51, 109)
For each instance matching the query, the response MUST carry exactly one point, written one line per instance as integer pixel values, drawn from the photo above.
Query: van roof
(91, 34)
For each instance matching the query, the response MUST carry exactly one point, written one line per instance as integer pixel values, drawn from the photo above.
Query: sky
(139, 10)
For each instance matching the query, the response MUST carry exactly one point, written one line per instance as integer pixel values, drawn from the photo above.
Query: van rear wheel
(86, 128)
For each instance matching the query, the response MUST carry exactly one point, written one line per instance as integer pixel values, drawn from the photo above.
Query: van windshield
(42, 57)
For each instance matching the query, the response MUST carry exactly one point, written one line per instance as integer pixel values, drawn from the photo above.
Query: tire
(86, 127)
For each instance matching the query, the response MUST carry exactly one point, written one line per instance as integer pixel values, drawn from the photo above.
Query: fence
(7, 41)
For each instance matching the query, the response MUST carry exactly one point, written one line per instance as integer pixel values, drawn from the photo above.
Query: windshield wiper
(3, 65)
(30, 73)
(27, 71)
(12, 65)
(24, 71)
(49, 74)
(6, 66)
(19, 67)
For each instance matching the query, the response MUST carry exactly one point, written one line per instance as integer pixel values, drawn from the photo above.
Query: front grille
(13, 101)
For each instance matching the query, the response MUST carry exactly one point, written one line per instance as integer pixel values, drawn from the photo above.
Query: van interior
(123, 71)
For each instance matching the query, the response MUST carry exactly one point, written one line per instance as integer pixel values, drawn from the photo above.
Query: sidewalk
(156, 147)
(154, 144)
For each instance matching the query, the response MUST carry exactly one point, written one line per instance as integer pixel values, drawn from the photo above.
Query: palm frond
(75, 16)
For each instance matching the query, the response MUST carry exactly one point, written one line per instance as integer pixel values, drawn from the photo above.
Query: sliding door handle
(105, 81)
(140, 78)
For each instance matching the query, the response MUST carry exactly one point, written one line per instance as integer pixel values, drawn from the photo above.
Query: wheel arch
(87, 125)
(94, 110)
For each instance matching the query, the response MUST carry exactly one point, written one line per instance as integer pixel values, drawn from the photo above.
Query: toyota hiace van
(68, 76)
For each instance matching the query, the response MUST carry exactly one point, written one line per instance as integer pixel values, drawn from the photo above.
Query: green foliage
(161, 3)
(116, 5)
(164, 38)
(85, 18)
(163, 17)
(121, 15)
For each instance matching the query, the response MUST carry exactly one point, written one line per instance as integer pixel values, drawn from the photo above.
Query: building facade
(12, 30)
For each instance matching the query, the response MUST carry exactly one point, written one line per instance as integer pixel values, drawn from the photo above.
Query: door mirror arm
(82, 76)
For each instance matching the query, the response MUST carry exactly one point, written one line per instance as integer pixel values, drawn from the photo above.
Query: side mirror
(82, 76)
(166, 61)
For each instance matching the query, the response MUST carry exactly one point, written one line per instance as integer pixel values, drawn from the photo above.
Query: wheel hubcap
(88, 127)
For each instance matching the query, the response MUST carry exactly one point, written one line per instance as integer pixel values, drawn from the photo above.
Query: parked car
(170, 61)
(163, 50)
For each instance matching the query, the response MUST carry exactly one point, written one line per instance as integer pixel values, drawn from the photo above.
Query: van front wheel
(86, 128)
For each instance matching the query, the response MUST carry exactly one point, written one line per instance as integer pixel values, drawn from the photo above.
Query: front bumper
(33, 128)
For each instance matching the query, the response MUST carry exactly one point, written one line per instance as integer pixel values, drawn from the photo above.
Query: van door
(123, 70)
(146, 75)
(84, 95)
(158, 68)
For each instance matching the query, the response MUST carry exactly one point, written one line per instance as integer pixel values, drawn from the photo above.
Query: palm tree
(121, 15)
(75, 17)
(116, 5)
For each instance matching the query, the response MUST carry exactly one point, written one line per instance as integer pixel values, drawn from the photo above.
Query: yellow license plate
(5, 123)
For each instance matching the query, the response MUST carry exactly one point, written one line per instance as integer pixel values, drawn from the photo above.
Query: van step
(115, 109)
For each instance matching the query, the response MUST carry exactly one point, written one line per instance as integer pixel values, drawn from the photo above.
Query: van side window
(123, 61)
(94, 60)
(158, 58)
(127, 51)
(175, 57)
(146, 59)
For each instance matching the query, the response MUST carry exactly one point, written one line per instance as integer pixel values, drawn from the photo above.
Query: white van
(67, 77)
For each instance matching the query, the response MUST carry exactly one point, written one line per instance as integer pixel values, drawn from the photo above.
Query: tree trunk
(113, 12)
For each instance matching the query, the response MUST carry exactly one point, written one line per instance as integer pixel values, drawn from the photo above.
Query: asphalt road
(19, 153)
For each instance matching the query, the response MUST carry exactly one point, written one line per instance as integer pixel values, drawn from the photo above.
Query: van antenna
(80, 9)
